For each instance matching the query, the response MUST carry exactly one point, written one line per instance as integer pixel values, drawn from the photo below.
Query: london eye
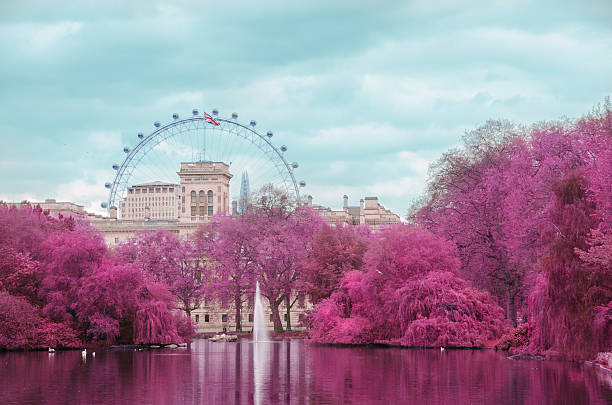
(156, 156)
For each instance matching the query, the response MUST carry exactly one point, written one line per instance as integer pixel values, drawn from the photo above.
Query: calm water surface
(291, 371)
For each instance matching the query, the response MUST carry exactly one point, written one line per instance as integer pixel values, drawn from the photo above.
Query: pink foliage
(443, 310)
(565, 301)
(335, 251)
(21, 327)
(410, 295)
(269, 244)
(19, 274)
(165, 258)
(184, 327)
(69, 287)
(517, 340)
(154, 324)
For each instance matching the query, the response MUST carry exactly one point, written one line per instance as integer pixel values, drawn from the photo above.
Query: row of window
(151, 190)
(162, 198)
(224, 317)
(202, 196)
(202, 211)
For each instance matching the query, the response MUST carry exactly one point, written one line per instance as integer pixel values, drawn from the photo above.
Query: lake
(292, 371)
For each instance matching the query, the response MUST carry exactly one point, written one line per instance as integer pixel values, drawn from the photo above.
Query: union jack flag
(210, 119)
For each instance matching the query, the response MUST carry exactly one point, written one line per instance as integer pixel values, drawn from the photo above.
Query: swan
(441, 349)
(51, 350)
(84, 353)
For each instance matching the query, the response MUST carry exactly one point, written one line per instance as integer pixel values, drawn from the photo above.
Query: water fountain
(260, 342)
(260, 333)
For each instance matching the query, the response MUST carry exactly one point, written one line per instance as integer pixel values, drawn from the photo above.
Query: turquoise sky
(364, 94)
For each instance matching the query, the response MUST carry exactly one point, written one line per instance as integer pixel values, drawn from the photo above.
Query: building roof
(155, 183)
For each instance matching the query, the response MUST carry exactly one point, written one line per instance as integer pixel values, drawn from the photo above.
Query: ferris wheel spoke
(158, 156)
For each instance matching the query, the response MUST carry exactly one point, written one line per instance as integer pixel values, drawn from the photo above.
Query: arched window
(210, 196)
(193, 196)
(202, 199)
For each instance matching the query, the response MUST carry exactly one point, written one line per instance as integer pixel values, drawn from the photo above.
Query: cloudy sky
(364, 94)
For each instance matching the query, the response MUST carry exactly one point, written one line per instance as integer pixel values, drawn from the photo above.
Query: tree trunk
(278, 325)
(288, 305)
(511, 308)
(238, 304)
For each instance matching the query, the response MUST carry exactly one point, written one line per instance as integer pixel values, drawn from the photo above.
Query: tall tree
(283, 244)
(335, 251)
(465, 204)
(230, 243)
(167, 258)
(568, 291)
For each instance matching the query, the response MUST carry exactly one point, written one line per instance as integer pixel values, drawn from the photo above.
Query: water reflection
(289, 371)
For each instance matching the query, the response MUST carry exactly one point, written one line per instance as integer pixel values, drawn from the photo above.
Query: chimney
(345, 198)
(113, 212)
(310, 201)
(234, 207)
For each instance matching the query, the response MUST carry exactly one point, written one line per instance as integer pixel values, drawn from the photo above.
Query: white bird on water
(93, 354)
(51, 350)
(441, 349)
(84, 353)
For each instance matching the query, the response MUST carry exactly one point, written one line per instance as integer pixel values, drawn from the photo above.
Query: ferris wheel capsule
(133, 168)
(104, 205)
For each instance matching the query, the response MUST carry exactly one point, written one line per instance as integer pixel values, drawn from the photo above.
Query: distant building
(369, 211)
(244, 192)
(154, 200)
(204, 190)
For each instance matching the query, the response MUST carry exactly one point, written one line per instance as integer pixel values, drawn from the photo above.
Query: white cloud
(182, 101)
(89, 192)
(45, 36)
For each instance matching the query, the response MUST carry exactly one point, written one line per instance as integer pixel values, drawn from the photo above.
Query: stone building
(153, 200)
(369, 211)
(204, 190)
(214, 316)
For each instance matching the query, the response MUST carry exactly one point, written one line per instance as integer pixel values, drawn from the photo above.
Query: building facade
(369, 211)
(204, 191)
(154, 200)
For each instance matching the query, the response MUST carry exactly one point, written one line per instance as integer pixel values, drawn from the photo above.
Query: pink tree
(19, 274)
(22, 327)
(568, 293)
(335, 250)
(166, 258)
(410, 295)
(284, 240)
(230, 242)
(465, 203)
(70, 256)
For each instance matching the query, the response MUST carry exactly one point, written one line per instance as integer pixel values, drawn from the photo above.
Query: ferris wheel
(201, 137)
